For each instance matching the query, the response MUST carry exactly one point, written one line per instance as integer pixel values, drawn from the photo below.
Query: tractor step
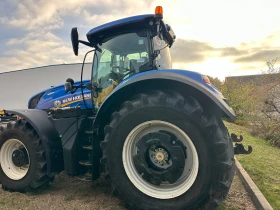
(91, 118)
(89, 132)
(85, 163)
(86, 177)
(88, 147)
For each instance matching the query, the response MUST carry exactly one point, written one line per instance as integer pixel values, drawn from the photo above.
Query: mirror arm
(98, 49)
(85, 43)
(90, 45)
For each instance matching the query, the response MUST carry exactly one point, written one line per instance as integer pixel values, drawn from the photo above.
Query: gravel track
(68, 192)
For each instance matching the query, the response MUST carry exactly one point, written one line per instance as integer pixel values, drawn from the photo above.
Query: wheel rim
(164, 190)
(14, 168)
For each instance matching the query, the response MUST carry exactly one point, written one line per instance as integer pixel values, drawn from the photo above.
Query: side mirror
(75, 40)
(70, 80)
(67, 87)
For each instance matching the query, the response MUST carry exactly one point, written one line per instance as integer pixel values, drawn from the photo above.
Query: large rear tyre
(23, 165)
(163, 151)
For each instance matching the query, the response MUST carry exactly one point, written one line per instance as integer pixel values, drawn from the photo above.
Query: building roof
(258, 79)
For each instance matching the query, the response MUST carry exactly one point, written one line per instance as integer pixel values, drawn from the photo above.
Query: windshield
(163, 60)
(121, 57)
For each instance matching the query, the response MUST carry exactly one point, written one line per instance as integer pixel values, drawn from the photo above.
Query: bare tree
(267, 123)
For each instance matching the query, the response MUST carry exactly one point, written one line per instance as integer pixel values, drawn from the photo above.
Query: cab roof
(121, 26)
(119, 23)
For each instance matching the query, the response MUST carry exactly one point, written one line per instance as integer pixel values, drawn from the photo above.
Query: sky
(218, 38)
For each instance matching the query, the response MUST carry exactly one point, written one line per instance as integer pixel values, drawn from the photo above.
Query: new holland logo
(57, 103)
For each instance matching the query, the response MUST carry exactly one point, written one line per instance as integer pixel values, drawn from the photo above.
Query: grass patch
(263, 164)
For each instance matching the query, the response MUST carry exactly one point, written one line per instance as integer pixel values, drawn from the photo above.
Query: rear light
(206, 80)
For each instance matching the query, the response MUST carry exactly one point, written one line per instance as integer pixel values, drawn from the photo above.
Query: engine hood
(56, 97)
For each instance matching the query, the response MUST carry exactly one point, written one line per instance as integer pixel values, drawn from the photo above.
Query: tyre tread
(194, 110)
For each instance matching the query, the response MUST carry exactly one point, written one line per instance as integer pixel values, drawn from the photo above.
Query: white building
(16, 87)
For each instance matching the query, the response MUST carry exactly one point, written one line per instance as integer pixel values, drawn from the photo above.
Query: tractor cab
(126, 47)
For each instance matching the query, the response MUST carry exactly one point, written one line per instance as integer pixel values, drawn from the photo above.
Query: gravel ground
(238, 197)
(70, 193)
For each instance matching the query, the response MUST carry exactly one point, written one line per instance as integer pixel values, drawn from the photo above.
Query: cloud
(191, 51)
(45, 28)
(37, 49)
(259, 57)
(233, 51)
(29, 15)
(33, 14)
(255, 52)
(3, 20)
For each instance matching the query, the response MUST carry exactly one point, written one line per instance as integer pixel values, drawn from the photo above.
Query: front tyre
(163, 151)
(23, 165)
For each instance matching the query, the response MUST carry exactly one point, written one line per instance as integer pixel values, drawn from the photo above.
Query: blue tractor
(156, 132)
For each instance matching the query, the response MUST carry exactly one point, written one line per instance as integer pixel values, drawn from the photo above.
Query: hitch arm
(234, 138)
(239, 148)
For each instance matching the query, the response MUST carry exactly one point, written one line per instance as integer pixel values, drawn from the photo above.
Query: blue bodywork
(185, 73)
(57, 96)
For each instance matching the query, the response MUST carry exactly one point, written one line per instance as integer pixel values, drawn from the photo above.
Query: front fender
(51, 141)
(171, 79)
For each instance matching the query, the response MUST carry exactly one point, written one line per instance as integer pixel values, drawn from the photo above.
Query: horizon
(52, 65)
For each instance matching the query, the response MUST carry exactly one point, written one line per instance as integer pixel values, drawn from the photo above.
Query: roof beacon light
(159, 12)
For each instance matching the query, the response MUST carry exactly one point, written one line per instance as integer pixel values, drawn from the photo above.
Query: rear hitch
(239, 148)
(234, 138)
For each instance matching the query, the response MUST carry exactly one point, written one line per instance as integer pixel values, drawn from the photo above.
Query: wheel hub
(161, 158)
(19, 158)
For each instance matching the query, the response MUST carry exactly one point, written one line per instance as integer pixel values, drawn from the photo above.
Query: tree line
(256, 101)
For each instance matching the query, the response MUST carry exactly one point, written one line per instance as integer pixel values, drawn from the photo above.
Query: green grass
(263, 164)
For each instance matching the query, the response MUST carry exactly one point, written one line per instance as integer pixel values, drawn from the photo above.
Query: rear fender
(49, 136)
(172, 80)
